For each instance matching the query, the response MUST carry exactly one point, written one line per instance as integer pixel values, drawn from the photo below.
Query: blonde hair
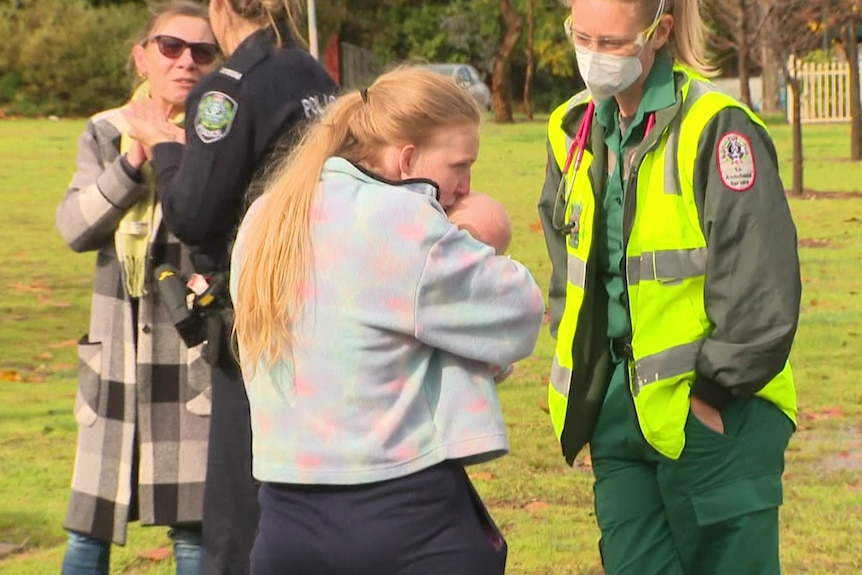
(269, 13)
(405, 105)
(688, 35)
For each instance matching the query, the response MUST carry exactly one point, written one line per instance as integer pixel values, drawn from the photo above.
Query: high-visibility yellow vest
(666, 255)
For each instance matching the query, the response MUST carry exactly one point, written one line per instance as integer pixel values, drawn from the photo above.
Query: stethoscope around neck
(573, 161)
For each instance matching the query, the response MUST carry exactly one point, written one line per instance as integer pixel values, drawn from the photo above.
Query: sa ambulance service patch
(736, 164)
(215, 116)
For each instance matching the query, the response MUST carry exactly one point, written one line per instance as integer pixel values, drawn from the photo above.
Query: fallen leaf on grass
(813, 242)
(160, 554)
(832, 412)
(543, 405)
(29, 288)
(536, 226)
(46, 355)
(534, 506)
(9, 375)
(65, 343)
(483, 475)
(46, 301)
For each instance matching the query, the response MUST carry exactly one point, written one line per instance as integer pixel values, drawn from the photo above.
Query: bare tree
(528, 77)
(788, 29)
(770, 76)
(501, 82)
(735, 25)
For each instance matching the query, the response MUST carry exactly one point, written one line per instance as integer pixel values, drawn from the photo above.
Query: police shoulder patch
(736, 165)
(215, 116)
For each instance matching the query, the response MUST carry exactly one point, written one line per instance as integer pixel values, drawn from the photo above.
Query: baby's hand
(501, 374)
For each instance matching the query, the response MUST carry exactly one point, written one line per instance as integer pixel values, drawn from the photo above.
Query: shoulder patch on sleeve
(736, 165)
(215, 116)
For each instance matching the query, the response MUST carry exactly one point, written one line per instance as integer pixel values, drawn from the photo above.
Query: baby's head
(484, 218)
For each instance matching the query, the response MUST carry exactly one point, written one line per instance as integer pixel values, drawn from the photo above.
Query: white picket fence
(825, 91)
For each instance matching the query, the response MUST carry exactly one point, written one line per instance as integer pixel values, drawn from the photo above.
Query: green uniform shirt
(659, 93)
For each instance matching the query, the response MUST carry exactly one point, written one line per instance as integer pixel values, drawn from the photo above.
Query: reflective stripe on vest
(576, 271)
(673, 362)
(666, 255)
(666, 265)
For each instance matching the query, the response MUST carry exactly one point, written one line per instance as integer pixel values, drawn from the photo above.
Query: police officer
(266, 89)
(674, 297)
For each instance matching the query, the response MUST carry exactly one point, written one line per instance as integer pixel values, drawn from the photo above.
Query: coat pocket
(728, 502)
(89, 381)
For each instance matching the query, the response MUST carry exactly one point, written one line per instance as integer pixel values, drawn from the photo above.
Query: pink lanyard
(579, 144)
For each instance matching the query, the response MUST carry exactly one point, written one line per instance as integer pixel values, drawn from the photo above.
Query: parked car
(468, 78)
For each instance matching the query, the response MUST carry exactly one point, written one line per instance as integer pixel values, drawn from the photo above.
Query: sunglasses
(172, 47)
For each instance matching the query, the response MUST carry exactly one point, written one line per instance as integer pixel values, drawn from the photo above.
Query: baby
(485, 219)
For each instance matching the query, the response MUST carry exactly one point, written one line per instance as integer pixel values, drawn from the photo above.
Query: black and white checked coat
(145, 387)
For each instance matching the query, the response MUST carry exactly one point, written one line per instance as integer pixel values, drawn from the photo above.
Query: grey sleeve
(97, 198)
(753, 284)
(555, 242)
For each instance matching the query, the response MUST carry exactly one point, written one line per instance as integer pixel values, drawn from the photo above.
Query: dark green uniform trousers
(714, 511)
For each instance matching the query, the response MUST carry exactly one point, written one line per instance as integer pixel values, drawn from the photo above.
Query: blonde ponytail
(688, 35)
(687, 38)
(277, 248)
(406, 105)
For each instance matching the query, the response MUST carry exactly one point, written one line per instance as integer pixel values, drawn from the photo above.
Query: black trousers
(230, 498)
(431, 522)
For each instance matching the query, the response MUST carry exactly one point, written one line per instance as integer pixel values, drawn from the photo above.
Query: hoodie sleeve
(475, 304)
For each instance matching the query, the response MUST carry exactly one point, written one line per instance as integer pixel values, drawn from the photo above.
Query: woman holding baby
(370, 329)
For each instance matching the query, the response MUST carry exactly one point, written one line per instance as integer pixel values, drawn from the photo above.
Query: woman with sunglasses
(143, 398)
(674, 297)
(268, 86)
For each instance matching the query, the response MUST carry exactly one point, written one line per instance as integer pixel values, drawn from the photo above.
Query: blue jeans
(88, 556)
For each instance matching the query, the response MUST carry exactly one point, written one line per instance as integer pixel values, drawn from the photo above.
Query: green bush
(69, 58)
(9, 84)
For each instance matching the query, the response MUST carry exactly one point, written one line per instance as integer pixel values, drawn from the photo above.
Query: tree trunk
(501, 82)
(770, 78)
(528, 77)
(798, 165)
(855, 104)
(743, 50)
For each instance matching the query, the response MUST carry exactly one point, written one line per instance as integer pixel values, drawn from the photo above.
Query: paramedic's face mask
(608, 63)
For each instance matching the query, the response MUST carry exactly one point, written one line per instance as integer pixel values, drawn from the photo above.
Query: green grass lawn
(543, 506)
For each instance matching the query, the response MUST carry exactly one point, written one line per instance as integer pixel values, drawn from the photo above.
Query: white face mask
(606, 75)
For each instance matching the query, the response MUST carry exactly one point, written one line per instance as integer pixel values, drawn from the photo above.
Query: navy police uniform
(236, 117)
